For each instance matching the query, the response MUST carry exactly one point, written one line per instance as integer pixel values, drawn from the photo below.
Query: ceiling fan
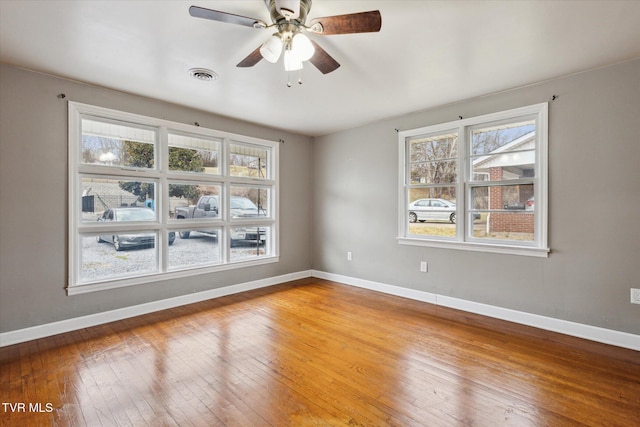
(289, 19)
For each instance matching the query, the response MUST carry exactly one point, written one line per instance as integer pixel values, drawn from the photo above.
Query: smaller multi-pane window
(478, 183)
(152, 199)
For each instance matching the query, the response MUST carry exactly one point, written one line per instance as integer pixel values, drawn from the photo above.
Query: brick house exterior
(500, 165)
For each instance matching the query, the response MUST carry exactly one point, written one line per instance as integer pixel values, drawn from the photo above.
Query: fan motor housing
(278, 18)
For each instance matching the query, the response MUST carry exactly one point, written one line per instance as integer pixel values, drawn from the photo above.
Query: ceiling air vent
(203, 74)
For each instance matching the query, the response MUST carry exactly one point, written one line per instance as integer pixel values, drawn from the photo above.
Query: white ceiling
(428, 53)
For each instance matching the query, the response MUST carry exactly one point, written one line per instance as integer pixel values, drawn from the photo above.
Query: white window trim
(162, 175)
(537, 248)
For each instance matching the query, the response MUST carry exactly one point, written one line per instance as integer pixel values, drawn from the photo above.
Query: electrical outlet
(349, 257)
(635, 296)
(423, 266)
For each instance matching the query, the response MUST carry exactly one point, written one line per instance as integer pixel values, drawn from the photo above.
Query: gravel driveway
(101, 260)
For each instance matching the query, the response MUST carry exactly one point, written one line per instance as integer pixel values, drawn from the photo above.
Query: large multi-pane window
(477, 184)
(151, 199)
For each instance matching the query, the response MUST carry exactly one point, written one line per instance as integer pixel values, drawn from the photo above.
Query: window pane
(114, 144)
(194, 248)
(432, 211)
(249, 202)
(117, 256)
(192, 154)
(103, 199)
(505, 166)
(194, 201)
(441, 172)
(249, 161)
(503, 137)
(429, 148)
(503, 197)
(513, 226)
(448, 193)
(249, 242)
(480, 198)
(515, 217)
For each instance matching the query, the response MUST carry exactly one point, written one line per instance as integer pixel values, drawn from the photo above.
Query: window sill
(477, 247)
(158, 277)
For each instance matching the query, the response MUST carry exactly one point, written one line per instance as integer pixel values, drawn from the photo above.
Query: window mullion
(162, 198)
(225, 172)
(116, 172)
(461, 191)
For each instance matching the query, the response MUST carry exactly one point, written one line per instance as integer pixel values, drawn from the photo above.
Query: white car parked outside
(434, 210)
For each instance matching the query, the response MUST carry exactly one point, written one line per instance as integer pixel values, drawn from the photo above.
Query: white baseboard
(49, 329)
(593, 333)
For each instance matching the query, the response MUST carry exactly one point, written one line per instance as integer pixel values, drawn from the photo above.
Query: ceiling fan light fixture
(302, 47)
(290, 19)
(271, 49)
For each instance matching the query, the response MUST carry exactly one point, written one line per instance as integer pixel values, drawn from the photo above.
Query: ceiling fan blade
(322, 60)
(251, 60)
(362, 22)
(215, 15)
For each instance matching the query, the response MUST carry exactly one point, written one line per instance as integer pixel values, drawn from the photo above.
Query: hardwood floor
(317, 353)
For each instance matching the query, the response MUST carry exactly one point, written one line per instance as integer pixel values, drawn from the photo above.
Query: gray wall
(594, 199)
(594, 218)
(33, 190)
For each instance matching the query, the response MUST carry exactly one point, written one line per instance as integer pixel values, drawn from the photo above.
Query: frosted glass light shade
(291, 61)
(271, 49)
(302, 47)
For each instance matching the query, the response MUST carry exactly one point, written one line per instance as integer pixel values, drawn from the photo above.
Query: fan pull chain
(289, 77)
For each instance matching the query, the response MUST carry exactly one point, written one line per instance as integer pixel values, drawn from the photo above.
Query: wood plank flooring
(317, 353)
